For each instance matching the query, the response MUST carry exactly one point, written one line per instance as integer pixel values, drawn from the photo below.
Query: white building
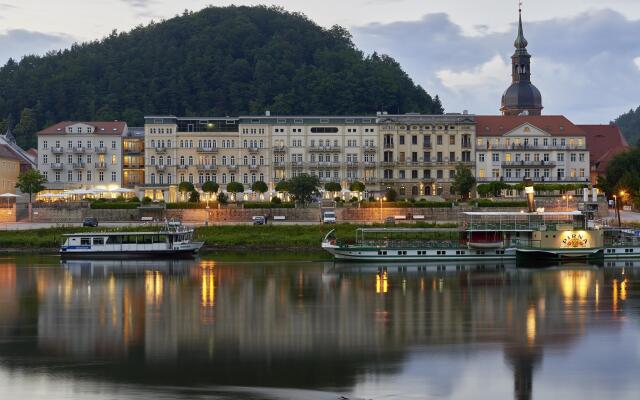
(81, 155)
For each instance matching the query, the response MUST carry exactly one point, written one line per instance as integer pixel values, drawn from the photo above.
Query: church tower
(522, 97)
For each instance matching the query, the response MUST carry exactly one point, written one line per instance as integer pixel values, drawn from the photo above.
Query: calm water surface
(209, 329)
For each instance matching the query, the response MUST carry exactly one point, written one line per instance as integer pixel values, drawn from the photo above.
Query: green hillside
(218, 61)
(629, 124)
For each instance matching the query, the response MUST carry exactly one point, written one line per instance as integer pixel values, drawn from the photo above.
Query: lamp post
(622, 193)
(567, 198)
(381, 200)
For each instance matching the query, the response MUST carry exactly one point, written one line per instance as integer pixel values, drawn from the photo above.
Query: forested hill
(218, 61)
(629, 124)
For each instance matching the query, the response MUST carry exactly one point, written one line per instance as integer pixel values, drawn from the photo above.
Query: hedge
(266, 204)
(489, 203)
(407, 204)
(191, 206)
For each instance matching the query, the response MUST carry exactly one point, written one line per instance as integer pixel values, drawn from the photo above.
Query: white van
(329, 217)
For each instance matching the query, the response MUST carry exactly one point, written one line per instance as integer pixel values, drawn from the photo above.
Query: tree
(282, 186)
(463, 181)
(260, 187)
(194, 196)
(357, 186)
(391, 194)
(31, 181)
(222, 198)
(27, 126)
(303, 188)
(235, 187)
(210, 187)
(185, 187)
(332, 187)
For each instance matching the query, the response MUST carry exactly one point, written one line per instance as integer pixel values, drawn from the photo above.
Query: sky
(586, 53)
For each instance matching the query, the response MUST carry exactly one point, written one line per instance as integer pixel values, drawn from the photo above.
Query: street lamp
(567, 198)
(381, 200)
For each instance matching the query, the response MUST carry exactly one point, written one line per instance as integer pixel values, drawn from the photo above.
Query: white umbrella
(345, 191)
(10, 195)
(122, 190)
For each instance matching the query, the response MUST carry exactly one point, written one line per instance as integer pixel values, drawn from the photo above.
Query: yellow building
(9, 170)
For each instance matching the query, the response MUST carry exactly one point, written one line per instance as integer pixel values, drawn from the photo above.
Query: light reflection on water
(185, 329)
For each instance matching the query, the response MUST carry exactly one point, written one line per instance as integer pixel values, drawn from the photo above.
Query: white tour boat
(173, 241)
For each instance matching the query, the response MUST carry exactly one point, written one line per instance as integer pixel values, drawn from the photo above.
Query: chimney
(267, 113)
(465, 112)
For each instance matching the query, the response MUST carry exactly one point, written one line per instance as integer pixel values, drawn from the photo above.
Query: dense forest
(629, 124)
(218, 61)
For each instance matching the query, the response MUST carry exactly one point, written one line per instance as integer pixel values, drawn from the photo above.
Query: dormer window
(79, 130)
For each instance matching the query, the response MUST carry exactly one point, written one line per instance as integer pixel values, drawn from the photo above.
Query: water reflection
(325, 326)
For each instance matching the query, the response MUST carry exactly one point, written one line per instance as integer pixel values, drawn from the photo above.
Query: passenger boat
(530, 238)
(172, 241)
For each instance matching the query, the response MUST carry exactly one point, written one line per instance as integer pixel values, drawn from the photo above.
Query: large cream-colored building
(415, 154)
(82, 155)
(9, 170)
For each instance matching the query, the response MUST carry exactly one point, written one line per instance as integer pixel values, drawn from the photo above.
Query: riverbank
(273, 238)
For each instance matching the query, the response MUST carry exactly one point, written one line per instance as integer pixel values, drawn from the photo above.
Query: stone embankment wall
(7, 214)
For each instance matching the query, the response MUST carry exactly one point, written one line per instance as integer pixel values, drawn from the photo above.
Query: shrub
(188, 206)
(134, 199)
(404, 204)
(265, 204)
(194, 197)
(146, 200)
(391, 194)
(489, 203)
(113, 205)
(222, 198)
(276, 200)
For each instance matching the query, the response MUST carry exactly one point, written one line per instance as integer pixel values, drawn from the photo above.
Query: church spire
(520, 43)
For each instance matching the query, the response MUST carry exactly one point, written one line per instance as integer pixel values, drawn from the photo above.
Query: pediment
(525, 130)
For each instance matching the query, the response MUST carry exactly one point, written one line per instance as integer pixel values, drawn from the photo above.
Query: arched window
(214, 178)
(245, 179)
(182, 144)
(253, 160)
(213, 160)
(214, 144)
(253, 178)
(233, 160)
(190, 160)
(153, 179)
(181, 178)
(244, 143)
(169, 143)
(224, 160)
(181, 160)
(245, 160)
(262, 177)
(261, 143)
(224, 178)
(153, 160)
(153, 143)
(261, 160)
(201, 179)
(232, 177)
(161, 160)
(169, 179)
(190, 178)
(169, 160)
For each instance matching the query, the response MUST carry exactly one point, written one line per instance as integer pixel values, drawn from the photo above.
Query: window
(495, 157)
(581, 157)
(113, 144)
(113, 176)
(573, 157)
(414, 139)
(401, 138)
(439, 139)
(561, 157)
(481, 157)
(452, 140)
(114, 159)
(101, 176)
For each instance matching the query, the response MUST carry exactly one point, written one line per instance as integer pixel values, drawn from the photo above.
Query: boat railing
(404, 244)
(517, 226)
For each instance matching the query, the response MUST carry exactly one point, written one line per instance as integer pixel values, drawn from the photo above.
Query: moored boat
(172, 241)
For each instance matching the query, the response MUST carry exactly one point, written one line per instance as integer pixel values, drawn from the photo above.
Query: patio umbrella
(122, 190)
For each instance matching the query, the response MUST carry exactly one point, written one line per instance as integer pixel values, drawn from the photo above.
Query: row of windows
(246, 160)
(161, 130)
(525, 142)
(537, 173)
(79, 145)
(495, 157)
(79, 159)
(57, 176)
(414, 174)
(202, 178)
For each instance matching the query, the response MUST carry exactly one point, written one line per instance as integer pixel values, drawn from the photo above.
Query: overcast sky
(586, 53)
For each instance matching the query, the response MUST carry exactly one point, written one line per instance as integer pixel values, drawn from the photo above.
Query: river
(234, 329)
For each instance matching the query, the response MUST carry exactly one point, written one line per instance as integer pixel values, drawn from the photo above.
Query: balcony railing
(207, 149)
(78, 165)
(78, 150)
(183, 166)
(232, 167)
(253, 167)
(253, 149)
(279, 149)
(324, 148)
(57, 150)
(161, 150)
(207, 167)
(100, 150)
(370, 148)
(57, 166)
(101, 165)
(369, 164)
(522, 147)
(388, 146)
(278, 164)
(352, 164)
(161, 168)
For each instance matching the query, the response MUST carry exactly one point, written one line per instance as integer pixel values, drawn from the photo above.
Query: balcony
(278, 164)
(161, 150)
(101, 165)
(100, 150)
(161, 168)
(57, 150)
(78, 150)
(183, 167)
(254, 167)
(352, 164)
(388, 146)
(253, 150)
(279, 149)
(427, 146)
(232, 167)
(387, 163)
(528, 164)
(133, 150)
(207, 149)
(133, 166)
(325, 149)
(370, 180)
(57, 166)
(370, 149)
(207, 167)
(466, 145)
(296, 164)
(369, 164)
(79, 165)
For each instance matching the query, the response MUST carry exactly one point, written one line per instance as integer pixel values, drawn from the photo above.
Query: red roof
(604, 142)
(7, 152)
(498, 125)
(33, 152)
(100, 127)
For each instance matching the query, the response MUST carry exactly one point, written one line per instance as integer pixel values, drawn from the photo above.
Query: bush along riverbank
(216, 238)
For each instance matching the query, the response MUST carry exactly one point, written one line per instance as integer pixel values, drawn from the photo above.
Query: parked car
(90, 221)
(389, 221)
(329, 217)
(259, 220)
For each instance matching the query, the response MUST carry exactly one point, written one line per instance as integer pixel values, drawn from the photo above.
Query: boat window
(114, 239)
(98, 241)
(85, 241)
(146, 239)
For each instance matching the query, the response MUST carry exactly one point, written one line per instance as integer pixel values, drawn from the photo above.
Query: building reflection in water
(249, 324)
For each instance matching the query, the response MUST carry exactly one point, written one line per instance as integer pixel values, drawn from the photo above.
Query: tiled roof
(100, 127)
(604, 142)
(7, 152)
(498, 125)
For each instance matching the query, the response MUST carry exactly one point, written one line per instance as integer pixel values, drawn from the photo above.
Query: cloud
(143, 8)
(587, 66)
(16, 43)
